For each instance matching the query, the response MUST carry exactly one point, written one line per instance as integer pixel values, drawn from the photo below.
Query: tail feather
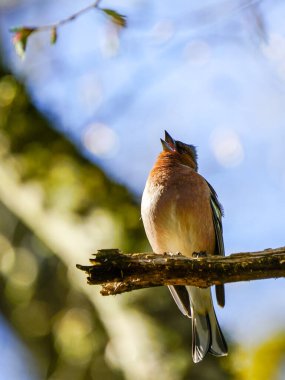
(218, 343)
(207, 336)
(201, 337)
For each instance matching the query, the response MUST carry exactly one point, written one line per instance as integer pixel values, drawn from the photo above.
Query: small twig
(22, 34)
(69, 18)
(118, 272)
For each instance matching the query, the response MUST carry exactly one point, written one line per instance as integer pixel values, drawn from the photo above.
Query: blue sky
(14, 359)
(212, 74)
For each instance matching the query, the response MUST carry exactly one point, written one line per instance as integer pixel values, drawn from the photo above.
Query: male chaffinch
(181, 213)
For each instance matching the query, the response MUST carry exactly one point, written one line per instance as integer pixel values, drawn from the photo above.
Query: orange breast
(176, 211)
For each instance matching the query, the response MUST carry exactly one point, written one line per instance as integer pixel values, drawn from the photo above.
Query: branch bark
(120, 272)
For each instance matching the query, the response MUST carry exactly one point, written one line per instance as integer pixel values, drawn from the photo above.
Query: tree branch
(119, 272)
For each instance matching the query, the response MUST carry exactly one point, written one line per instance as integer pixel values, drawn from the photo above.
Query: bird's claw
(199, 255)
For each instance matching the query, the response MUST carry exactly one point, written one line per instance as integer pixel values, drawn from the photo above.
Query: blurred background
(80, 123)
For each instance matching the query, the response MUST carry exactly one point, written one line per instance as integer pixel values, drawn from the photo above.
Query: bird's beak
(166, 146)
(170, 141)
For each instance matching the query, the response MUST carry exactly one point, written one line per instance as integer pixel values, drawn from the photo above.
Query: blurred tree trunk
(35, 163)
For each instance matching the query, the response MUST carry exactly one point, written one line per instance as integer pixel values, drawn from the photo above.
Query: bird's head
(185, 153)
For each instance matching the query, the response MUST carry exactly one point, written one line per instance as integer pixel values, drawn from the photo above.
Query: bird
(181, 213)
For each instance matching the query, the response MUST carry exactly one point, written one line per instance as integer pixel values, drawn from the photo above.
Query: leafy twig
(22, 34)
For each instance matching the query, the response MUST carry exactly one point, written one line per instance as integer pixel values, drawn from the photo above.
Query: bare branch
(119, 272)
(70, 18)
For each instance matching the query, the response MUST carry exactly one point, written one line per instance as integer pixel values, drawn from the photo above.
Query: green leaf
(115, 17)
(53, 35)
(20, 39)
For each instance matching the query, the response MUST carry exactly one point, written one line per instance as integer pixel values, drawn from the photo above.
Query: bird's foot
(199, 255)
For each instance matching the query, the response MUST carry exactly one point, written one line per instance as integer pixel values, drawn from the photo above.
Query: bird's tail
(207, 334)
(197, 304)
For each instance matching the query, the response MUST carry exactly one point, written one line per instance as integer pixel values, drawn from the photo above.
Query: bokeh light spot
(22, 276)
(37, 318)
(275, 48)
(162, 31)
(73, 335)
(197, 52)
(26, 269)
(274, 51)
(101, 140)
(227, 147)
(7, 256)
(8, 91)
(89, 92)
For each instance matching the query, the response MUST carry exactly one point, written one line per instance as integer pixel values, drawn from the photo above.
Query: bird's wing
(218, 213)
